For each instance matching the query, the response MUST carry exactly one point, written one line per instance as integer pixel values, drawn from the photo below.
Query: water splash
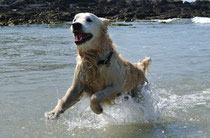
(152, 108)
(125, 111)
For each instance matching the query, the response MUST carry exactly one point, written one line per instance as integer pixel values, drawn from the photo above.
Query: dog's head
(87, 27)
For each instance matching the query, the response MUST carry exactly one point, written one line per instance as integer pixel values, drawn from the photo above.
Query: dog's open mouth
(81, 38)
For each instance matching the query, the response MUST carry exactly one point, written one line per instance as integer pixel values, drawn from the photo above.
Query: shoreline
(117, 11)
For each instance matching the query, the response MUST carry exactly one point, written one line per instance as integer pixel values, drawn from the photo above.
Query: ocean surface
(37, 63)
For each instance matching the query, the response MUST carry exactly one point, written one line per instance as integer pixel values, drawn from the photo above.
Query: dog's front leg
(71, 97)
(100, 96)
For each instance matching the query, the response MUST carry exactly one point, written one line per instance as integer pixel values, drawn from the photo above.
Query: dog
(101, 72)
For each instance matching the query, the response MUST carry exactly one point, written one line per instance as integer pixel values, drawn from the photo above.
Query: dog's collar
(107, 60)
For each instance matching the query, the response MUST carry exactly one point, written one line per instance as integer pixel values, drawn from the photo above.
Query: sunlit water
(37, 65)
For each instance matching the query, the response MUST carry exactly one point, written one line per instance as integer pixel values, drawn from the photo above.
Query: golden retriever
(100, 71)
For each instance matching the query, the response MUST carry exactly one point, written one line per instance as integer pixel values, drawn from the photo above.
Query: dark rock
(48, 11)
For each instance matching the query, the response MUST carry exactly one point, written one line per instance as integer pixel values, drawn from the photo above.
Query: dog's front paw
(54, 114)
(51, 115)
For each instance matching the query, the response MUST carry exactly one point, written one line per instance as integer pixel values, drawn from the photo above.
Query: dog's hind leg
(97, 98)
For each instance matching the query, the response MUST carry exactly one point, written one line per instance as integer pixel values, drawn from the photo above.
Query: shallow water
(37, 65)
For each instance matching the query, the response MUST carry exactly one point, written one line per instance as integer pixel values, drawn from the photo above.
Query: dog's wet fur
(101, 82)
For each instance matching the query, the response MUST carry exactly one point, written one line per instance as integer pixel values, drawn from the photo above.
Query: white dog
(100, 72)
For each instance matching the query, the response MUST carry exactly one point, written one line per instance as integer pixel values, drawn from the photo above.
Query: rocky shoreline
(19, 12)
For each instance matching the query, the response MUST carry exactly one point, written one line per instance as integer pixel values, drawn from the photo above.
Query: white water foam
(181, 106)
(152, 108)
(124, 111)
(201, 20)
(173, 20)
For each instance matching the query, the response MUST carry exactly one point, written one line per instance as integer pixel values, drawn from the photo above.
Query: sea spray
(153, 105)
(126, 110)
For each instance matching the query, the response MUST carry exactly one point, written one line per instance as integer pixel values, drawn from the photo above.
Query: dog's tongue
(78, 37)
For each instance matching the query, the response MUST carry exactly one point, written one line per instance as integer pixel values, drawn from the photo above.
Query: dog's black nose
(77, 26)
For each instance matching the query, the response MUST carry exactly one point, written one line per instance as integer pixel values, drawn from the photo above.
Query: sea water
(37, 63)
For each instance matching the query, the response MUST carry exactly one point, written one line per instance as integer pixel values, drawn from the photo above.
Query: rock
(53, 11)
(18, 3)
(121, 24)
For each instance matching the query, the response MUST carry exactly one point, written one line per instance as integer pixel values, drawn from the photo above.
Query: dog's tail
(145, 64)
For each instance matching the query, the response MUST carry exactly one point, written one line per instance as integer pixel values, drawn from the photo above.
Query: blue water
(37, 65)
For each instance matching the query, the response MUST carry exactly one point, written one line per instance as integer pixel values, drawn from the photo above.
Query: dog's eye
(89, 20)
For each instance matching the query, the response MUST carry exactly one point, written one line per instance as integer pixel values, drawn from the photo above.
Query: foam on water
(124, 111)
(173, 20)
(201, 20)
(170, 101)
(152, 108)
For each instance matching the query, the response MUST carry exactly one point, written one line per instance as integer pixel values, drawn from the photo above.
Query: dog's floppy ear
(105, 21)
